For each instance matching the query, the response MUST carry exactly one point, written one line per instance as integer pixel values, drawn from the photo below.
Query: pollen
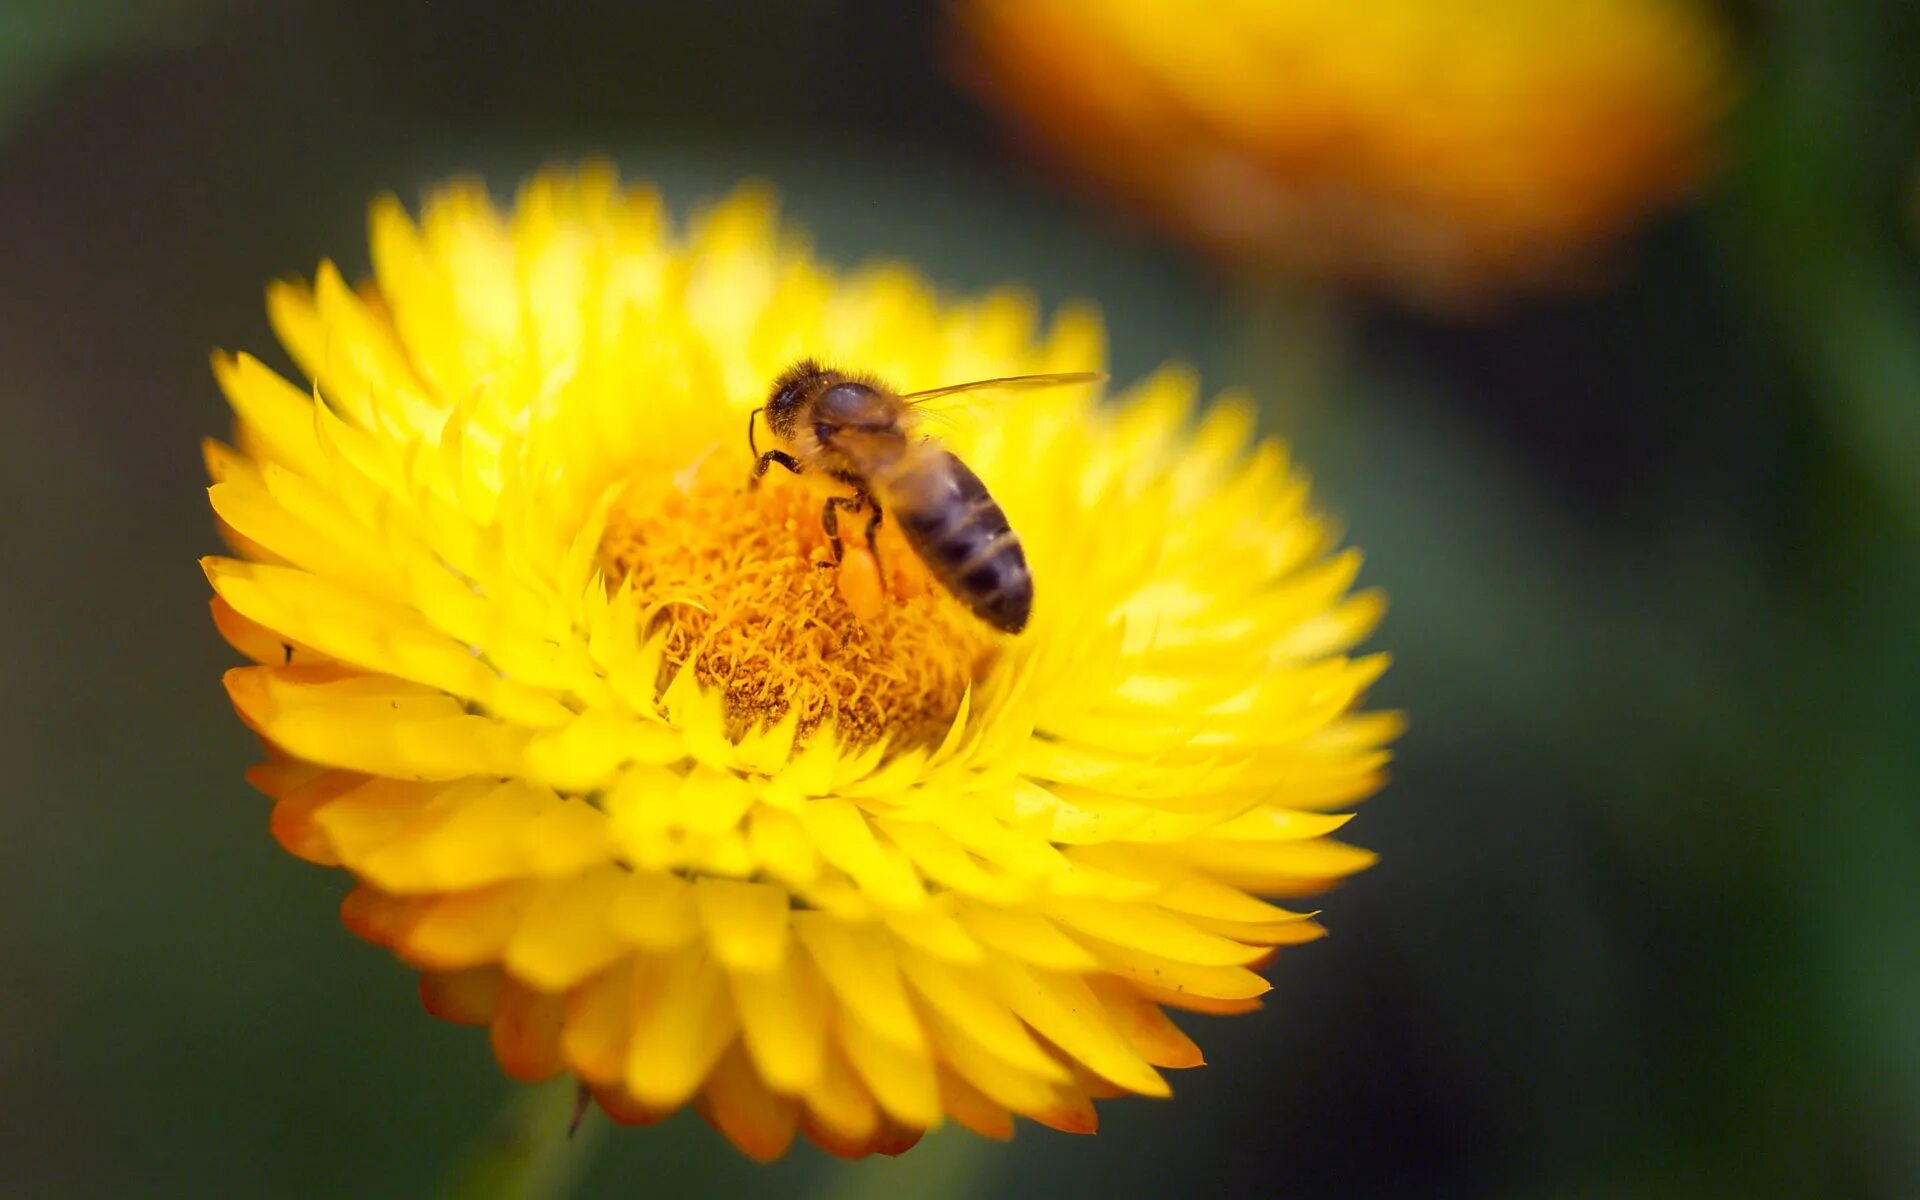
(740, 582)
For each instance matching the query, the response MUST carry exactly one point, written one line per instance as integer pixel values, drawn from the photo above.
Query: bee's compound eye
(851, 403)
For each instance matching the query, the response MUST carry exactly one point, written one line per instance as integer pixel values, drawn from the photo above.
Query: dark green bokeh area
(1645, 919)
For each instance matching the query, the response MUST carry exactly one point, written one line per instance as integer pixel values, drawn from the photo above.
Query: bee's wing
(1057, 379)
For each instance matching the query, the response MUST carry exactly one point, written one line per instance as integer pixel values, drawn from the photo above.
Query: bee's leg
(830, 521)
(768, 459)
(873, 527)
(873, 538)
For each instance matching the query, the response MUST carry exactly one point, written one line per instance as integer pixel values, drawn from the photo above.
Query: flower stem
(532, 1148)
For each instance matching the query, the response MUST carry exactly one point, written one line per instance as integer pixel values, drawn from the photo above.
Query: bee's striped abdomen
(962, 535)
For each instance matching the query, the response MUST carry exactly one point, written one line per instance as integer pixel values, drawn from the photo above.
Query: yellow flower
(1443, 151)
(635, 782)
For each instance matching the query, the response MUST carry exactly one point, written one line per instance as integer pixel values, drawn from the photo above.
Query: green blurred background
(1645, 921)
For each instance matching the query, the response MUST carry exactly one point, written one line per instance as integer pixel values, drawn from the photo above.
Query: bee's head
(796, 386)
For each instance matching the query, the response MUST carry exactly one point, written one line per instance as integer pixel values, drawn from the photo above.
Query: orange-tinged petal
(971, 1108)
(464, 997)
(739, 1105)
(840, 1115)
(371, 814)
(1070, 1112)
(379, 918)
(466, 929)
(599, 1022)
(621, 1107)
(896, 1139)
(301, 793)
(1147, 1029)
(526, 1031)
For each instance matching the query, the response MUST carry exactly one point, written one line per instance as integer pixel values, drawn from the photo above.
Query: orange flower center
(742, 583)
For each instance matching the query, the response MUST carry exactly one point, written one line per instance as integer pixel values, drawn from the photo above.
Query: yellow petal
(1152, 929)
(1226, 983)
(1006, 1085)
(587, 751)
(746, 923)
(781, 845)
(858, 963)
(333, 551)
(682, 1020)
(475, 833)
(783, 1021)
(902, 1080)
(277, 416)
(380, 727)
(968, 1002)
(948, 863)
(656, 911)
(1027, 936)
(934, 929)
(845, 840)
(1277, 868)
(565, 935)
(1065, 1012)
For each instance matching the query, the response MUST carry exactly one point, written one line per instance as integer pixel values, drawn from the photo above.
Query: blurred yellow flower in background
(638, 786)
(1446, 152)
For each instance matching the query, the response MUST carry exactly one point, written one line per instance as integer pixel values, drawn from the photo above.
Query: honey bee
(857, 431)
